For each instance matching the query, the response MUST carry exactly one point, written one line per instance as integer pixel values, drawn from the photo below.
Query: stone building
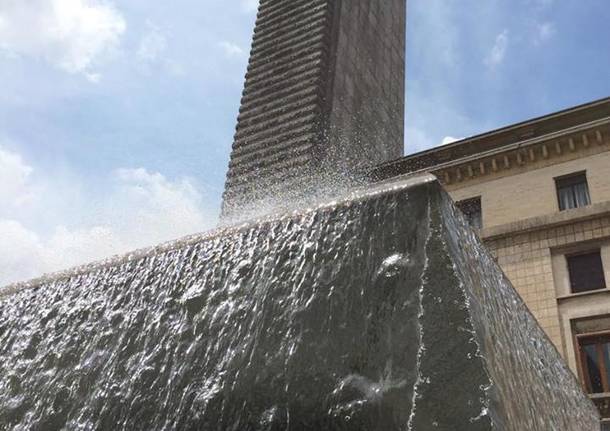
(323, 98)
(539, 191)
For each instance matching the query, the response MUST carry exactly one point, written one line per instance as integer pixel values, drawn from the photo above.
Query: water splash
(321, 319)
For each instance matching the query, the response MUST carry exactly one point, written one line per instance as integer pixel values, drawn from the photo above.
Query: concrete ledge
(548, 221)
(583, 294)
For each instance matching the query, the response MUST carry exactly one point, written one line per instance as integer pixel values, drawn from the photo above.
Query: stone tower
(323, 98)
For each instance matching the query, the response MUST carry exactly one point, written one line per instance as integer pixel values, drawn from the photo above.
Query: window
(572, 191)
(594, 351)
(592, 343)
(471, 208)
(586, 272)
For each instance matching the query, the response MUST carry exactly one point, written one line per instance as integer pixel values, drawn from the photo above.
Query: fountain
(381, 311)
(378, 311)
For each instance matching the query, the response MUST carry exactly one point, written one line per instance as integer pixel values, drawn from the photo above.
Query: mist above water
(54, 222)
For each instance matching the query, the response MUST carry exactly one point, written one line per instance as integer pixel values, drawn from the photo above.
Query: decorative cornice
(526, 152)
(501, 141)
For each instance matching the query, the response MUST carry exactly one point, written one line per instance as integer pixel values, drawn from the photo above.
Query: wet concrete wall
(378, 312)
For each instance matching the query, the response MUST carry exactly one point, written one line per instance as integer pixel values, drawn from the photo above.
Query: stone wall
(282, 104)
(534, 261)
(529, 236)
(531, 192)
(323, 98)
(368, 92)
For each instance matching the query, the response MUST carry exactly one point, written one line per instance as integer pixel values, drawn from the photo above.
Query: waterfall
(380, 311)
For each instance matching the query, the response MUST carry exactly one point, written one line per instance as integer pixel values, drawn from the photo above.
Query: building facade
(539, 192)
(323, 98)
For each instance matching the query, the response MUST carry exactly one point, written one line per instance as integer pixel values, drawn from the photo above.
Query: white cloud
(24, 254)
(158, 209)
(138, 209)
(544, 32)
(231, 49)
(450, 140)
(73, 35)
(417, 139)
(498, 51)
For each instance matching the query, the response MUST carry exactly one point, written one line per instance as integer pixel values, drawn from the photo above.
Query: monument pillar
(323, 98)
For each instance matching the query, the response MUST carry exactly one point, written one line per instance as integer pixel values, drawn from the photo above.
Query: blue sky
(117, 116)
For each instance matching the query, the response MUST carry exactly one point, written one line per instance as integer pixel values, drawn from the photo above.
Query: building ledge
(544, 222)
(581, 294)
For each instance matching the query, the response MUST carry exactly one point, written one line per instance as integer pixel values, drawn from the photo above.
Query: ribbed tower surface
(323, 98)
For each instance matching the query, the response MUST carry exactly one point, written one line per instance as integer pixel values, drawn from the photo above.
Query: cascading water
(379, 312)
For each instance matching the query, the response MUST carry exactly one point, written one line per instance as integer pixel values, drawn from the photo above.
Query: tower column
(323, 98)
